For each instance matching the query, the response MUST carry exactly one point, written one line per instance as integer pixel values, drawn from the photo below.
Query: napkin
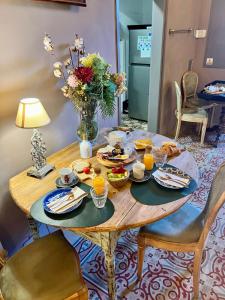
(65, 202)
(158, 174)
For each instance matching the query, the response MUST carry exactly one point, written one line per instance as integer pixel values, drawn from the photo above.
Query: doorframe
(155, 90)
(157, 69)
(117, 39)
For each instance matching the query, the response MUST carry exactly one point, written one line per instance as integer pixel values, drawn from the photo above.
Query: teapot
(116, 137)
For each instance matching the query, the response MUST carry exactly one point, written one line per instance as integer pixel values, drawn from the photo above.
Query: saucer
(146, 177)
(60, 184)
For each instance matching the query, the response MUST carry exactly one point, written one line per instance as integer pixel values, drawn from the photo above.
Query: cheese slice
(141, 144)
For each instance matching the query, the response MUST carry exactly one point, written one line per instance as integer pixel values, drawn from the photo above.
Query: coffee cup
(67, 176)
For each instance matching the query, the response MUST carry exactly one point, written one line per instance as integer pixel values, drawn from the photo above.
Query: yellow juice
(99, 185)
(148, 161)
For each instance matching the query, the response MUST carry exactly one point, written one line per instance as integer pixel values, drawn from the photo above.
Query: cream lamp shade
(31, 114)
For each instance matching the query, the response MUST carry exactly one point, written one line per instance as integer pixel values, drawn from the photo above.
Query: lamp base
(33, 172)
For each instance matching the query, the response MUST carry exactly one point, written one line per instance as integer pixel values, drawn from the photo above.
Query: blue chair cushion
(183, 226)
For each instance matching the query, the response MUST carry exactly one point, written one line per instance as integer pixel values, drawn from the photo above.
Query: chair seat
(47, 269)
(183, 226)
(188, 116)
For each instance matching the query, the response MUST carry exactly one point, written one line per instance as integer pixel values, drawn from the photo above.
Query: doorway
(136, 20)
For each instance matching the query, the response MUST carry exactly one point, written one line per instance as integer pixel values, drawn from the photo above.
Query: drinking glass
(129, 149)
(160, 157)
(99, 200)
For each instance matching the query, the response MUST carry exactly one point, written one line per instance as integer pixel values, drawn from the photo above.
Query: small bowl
(120, 182)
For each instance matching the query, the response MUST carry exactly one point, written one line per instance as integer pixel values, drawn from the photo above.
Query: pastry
(170, 148)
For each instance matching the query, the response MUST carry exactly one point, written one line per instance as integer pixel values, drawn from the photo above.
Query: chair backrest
(179, 97)
(215, 200)
(189, 84)
(3, 255)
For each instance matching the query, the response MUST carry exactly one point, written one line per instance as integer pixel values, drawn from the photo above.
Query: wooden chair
(46, 269)
(185, 230)
(190, 85)
(189, 115)
(191, 100)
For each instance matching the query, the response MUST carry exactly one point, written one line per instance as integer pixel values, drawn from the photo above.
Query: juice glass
(148, 161)
(160, 157)
(99, 199)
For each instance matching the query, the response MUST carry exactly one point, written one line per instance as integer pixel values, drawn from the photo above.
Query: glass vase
(88, 128)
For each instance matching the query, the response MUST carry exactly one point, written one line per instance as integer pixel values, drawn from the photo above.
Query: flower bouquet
(88, 84)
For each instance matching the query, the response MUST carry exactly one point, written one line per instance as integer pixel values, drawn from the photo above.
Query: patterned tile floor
(133, 123)
(166, 275)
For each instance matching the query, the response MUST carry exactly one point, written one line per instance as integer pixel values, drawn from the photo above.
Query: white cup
(138, 170)
(67, 175)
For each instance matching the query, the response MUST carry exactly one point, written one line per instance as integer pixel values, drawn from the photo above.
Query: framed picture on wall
(75, 2)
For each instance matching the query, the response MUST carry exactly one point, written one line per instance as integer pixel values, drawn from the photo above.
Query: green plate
(87, 215)
(151, 193)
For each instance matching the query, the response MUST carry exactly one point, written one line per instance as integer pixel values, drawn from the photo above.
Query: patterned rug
(166, 275)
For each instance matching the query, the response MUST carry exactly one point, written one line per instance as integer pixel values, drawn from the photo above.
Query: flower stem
(71, 56)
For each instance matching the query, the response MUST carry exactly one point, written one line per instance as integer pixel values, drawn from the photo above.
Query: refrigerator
(140, 37)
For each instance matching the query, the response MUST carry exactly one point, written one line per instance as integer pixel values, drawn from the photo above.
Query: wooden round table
(128, 212)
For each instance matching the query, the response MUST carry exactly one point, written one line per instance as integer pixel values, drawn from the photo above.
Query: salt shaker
(85, 149)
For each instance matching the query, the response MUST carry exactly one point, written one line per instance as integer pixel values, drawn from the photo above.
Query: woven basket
(119, 183)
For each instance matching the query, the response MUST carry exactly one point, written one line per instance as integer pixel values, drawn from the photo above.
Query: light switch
(200, 33)
(209, 61)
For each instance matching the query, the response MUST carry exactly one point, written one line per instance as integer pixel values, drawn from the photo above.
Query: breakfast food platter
(82, 169)
(114, 163)
(114, 156)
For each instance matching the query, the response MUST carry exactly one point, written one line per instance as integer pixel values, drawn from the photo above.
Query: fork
(167, 177)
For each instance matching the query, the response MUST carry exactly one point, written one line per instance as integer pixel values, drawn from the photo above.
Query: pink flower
(72, 81)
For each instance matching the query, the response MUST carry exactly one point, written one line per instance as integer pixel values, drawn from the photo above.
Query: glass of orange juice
(99, 191)
(148, 159)
(99, 199)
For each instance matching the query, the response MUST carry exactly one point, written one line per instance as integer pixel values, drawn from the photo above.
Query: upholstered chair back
(190, 84)
(215, 200)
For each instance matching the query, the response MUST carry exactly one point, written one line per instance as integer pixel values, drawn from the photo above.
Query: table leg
(107, 241)
(221, 126)
(33, 228)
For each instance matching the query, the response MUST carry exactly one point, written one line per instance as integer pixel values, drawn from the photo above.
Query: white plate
(174, 171)
(164, 184)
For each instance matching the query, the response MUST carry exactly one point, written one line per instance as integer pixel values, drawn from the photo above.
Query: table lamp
(31, 114)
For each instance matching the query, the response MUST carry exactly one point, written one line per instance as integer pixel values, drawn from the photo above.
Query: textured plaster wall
(207, 75)
(26, 70)
(179, 49)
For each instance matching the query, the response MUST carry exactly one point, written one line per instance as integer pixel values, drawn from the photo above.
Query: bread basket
(119, 182)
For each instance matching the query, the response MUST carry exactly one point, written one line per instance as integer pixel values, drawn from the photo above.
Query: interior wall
(158, 20)
(179, 49)
(26, 70)
(215, 41)
(207, 75)
(132, 12)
